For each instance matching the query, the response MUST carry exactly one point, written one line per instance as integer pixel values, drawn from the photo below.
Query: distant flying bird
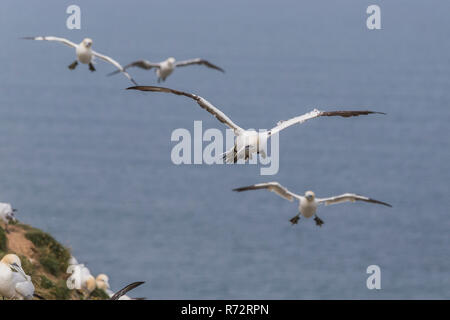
(248, 142)
(102, 281)
(166, 67)
(14, 283)
(7, 214)
(307, 204)
(85, 54)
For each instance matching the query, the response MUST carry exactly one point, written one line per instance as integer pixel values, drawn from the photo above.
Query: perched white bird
(85, 54)
(166, 67)
(73, 261)
(307, 204)
(7, 214)
(88, 283)
(248, 142)
(14, 283)
(102, 282)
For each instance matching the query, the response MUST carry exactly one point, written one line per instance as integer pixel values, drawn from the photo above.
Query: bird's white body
(84, 53)
(249, 142)
(14, 284)
(7, 287)
(165, 68)
(88, 283)
(306, 207)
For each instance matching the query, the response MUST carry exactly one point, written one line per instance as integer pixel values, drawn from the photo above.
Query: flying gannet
(14, 283)
(7, 214)
(307, 204)
(165, 68)
(84, 53)
(248, 142)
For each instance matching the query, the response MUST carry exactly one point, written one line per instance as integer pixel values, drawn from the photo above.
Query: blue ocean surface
(89, 162)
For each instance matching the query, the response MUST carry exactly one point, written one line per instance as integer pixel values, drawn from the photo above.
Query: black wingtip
(124, 290)
(132, 88)
(112, 73)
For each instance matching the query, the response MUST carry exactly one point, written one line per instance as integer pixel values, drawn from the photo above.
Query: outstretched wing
(198, 61)
(123, 291)
(50, 38)
(143, 64)
(114, 63)
(349, 197)
(317, 113)
(204, 104)
(271, 186)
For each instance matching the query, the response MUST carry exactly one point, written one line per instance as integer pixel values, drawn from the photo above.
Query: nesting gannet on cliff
(14, 283)
(307, 204)
(248, 142)
(102, 281)
(166, 67)
(7, 214)
(84, 54)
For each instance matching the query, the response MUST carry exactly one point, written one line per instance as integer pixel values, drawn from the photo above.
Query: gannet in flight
(14, 283)
(307, 204)
(166, 67)
(248, 142)
(7, 214)
(85, 54)
(102, 281)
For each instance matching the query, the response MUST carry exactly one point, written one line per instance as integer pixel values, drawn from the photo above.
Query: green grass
(27, 266)
(99, 294)
(46, 283)
(52, 255)
(3, 240)
(60, 291)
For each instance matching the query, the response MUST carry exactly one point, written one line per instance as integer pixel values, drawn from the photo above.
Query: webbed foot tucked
(73, 65)
(318, 221)
(91, 67)
(295, 219)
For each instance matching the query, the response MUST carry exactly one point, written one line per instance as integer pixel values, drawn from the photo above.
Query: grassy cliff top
(44, 259)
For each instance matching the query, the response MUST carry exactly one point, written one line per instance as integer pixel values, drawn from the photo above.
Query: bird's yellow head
(171, 60)
(102, 281)
(10, 259)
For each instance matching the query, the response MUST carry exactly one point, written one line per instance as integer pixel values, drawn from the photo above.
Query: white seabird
(84, 54)
(88, 283)
(14, 283)
(307, 204)
(7, 214)
(102, 282)
(165, 68)
(248, 142)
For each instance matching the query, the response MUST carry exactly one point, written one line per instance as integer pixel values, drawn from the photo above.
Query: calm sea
(89, 162)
